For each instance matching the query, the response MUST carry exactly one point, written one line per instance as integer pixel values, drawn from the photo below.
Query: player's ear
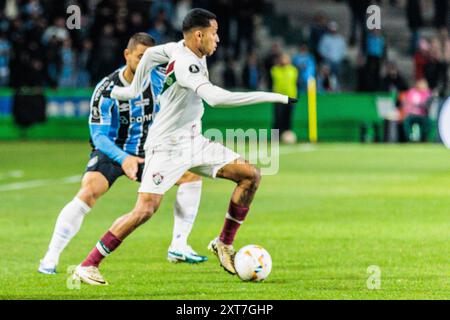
(126, 53)
(198, 34)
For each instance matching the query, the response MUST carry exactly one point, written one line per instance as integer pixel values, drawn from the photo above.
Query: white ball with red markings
(253, 263)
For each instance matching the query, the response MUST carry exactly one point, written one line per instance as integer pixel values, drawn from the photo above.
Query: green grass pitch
(331, 212)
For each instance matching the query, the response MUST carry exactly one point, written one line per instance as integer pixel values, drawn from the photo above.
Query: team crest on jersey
(193, 68)
(157, 178)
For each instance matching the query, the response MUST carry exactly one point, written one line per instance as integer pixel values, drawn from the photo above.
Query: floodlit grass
(331, 212)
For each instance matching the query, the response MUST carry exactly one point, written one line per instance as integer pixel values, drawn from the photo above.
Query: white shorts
(166, 164)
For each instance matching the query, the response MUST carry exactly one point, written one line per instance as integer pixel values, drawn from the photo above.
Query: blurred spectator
(181, 9)
(57, 30)
(421, 58)
(105, 58)
(444, 42)
(358, 11)
(376, 51)
(441, 13)
(393, 81)
(317, 30)
(304, 61)
(229, 73)
(415, 22)
(270, 60)
(136, 23)
(84, 64)
(5, 53)
(326, 81)
(333, 49)
(161, 5)
(433, 67)
(284, 79)
(53, 65)
(67, 76)
(415, 106)
(251, 74)
(161, 29)
(245, 13)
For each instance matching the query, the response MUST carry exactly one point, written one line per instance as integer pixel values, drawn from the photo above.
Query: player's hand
(292, 100)
(131, 165)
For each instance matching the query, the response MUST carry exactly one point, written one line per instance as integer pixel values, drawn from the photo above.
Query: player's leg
(247, 178)
(185, 210)
(146, 205)
(157, 178)
(68, 223)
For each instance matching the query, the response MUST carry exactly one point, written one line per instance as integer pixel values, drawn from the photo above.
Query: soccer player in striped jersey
(118, 131)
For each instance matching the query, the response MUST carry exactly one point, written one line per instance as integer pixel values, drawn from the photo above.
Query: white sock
(185, 211)
(67, 225)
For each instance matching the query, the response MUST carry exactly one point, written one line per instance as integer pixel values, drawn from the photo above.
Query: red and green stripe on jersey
(170, 77)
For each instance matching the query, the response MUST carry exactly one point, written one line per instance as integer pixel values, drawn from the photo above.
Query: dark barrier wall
(341, 117)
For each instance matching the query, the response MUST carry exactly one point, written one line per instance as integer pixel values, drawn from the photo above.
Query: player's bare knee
(88, 195)
(255, 178)
(144, 210)
(252, 180)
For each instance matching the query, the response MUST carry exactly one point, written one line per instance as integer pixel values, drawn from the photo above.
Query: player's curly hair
(198, 18)
(140, 38)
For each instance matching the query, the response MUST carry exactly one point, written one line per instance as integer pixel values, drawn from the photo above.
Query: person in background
(393, 81)
(421, 58)
(284, 79)
(318, 29)
(444, 40)
(5, 53)
(415, 22)
(415, 105)
(306, 66)
(251, 74)
(376, 52)
(270, 60)
(333, 49)
(68, 58)
(229, 73)
(326, 81)
(84, 62)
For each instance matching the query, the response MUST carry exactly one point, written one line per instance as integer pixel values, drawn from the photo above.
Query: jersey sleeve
(188, 74)
(152, 57)
(100, 106)
(100, 123)
(218, 97)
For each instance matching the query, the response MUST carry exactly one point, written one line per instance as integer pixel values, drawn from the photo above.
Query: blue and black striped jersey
(125, 123)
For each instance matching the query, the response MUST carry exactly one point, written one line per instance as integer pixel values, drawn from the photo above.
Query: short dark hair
(140, 38)
(198, 18)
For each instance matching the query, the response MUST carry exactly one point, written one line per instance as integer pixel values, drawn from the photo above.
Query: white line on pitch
(39, 183)
(11, 174)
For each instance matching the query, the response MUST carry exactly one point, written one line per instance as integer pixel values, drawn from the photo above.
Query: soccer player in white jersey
(118, 131)
(175, 143)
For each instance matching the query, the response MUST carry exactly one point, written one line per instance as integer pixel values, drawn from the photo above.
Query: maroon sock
(230, 227)
(107, 244)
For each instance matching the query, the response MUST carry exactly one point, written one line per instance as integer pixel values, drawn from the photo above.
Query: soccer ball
(253, 263)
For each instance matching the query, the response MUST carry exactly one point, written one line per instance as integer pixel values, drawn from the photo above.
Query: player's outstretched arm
(218, 97)
(152, 57)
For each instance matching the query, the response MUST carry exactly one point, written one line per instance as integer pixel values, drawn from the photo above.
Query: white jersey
(181, 108)
(186, 84)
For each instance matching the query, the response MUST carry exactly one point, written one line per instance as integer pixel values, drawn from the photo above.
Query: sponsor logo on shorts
(92, 162)
(157, 178)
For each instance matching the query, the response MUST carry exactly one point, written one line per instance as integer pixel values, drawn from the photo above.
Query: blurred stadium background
(366, 80)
